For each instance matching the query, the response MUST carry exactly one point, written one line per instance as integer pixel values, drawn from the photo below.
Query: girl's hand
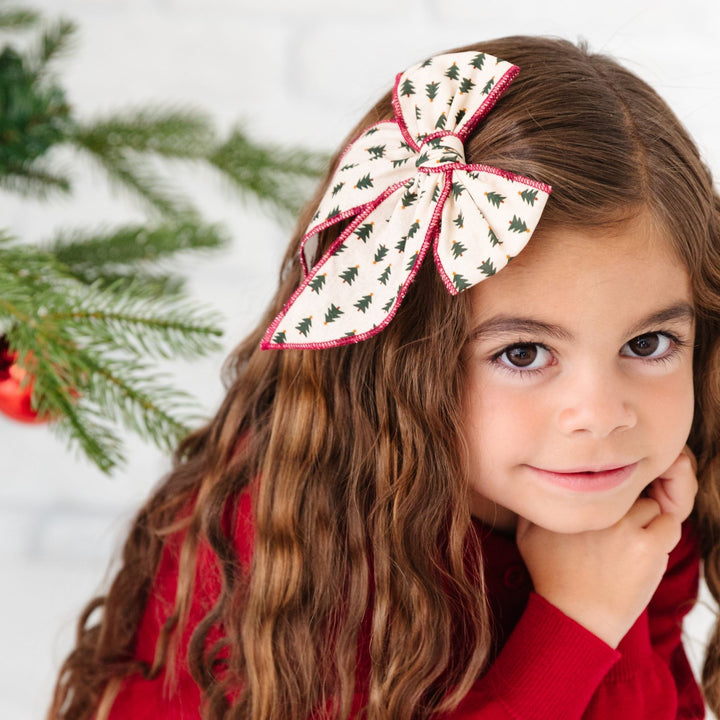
(604, 579)
(675, 491)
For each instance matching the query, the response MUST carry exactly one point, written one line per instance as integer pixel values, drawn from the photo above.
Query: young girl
(442, 484)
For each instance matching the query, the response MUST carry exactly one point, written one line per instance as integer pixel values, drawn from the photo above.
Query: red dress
(548, 667)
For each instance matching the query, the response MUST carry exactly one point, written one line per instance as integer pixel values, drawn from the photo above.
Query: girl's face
(580, 377)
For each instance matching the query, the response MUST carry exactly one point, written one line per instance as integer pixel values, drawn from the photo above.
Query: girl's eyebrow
(679, 312)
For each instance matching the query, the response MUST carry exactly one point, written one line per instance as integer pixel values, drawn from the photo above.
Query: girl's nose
(598, 404)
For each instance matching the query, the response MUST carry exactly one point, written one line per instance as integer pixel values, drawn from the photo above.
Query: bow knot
(440, 151)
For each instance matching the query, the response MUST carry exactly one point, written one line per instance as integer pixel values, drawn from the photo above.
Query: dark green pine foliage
(487, 267)
(400, 162)
(318, 282)
(460, 282)
(332, 313)
(518, 225)
(337, 188)
(303, 327)
(376, 151)
(89, 313)
(364, 182)
(385, 275)
(495, 199)
(349, 166)
(466, 85)
(418, 112)
(407, 87)
(364, 231)
(459, 220)
(458, 249)
(364, 302)
(371, 131)
(335, 211)
(453, 72)
(431, 90)
(380, 254)
(388, 305)
(529, 196)
(488, 86)
(350, 275)
(436, 194)
(441, 122)
(478, 61)
(494, 239)
(280, 338)
(460, 115)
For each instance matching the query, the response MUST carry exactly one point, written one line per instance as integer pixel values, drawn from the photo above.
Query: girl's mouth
(587, 480)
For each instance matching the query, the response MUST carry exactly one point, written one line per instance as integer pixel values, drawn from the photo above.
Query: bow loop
(450, 93)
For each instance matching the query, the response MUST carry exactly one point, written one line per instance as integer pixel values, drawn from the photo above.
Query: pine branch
(76, 422)
(55, 42)
(131, 173)
(35, 290)
(18, 19)
(176, 133)
(274, 174)
(33, 181)
(149, 284)
(139, 324)
(85, 251)
(83, 346)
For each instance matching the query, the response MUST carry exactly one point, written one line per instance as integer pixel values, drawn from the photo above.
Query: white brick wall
(297, 71)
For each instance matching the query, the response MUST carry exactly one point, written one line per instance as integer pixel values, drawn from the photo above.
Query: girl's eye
(524, 356)
(651, 345)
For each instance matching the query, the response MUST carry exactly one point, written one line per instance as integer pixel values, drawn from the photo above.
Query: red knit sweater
(548, 667)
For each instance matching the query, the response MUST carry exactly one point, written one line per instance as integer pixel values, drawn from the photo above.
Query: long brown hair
(361, 514)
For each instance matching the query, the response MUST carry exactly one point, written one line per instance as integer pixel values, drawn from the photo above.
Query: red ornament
(14, 400)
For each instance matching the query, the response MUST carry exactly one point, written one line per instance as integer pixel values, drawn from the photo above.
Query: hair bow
(407, 187)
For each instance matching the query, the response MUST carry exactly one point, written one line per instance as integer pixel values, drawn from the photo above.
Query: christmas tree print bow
(408, 189)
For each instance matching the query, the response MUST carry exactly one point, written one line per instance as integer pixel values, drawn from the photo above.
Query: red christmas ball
(15, 400)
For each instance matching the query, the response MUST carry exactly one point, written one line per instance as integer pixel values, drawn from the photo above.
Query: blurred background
(290, 72)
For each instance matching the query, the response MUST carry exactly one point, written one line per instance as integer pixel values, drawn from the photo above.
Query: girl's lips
(587, 480)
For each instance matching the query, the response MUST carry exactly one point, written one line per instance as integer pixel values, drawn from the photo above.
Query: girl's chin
(580, 522)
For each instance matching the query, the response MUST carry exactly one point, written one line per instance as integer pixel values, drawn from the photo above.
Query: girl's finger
(675, 490)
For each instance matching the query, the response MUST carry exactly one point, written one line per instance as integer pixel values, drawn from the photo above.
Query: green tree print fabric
(407, 191)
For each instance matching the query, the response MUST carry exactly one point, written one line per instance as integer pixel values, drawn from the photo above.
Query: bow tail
(354, 290)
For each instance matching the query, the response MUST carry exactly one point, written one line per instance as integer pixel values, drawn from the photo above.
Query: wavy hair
(361, 515)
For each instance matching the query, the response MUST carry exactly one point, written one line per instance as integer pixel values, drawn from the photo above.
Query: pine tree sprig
(18, 19)
(131, 173)
(171, 132)
(87, 251)
(277, 176)
(56, 41)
